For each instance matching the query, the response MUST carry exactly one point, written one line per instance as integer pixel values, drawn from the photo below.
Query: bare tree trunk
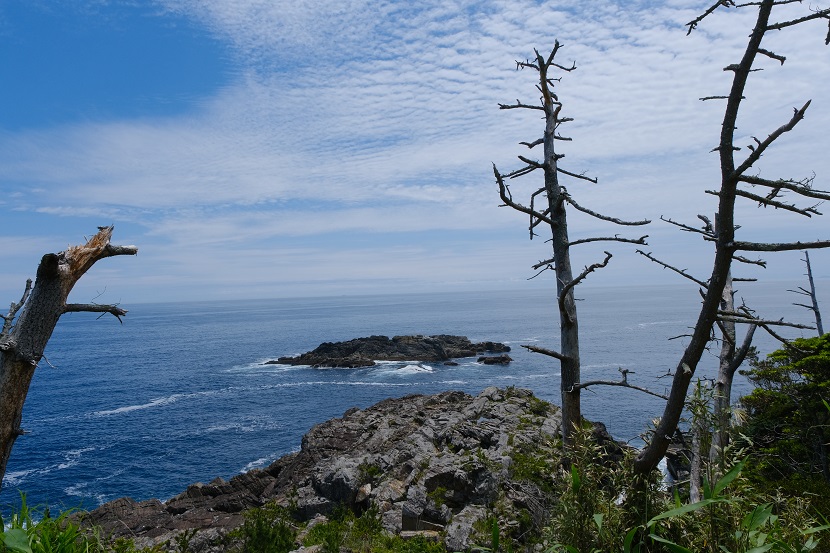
(726, 246)
(554, 215)
(812, 293)
(23, 342)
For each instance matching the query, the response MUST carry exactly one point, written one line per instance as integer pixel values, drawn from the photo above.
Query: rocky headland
(436, 466)
(364, 352)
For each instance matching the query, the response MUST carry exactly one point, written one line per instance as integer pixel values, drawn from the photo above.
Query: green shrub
(268, 529)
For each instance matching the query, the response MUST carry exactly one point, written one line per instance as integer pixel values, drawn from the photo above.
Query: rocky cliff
(431, 465)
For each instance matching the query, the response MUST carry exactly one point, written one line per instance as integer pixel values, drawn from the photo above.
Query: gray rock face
(428, 464)
(363, 352)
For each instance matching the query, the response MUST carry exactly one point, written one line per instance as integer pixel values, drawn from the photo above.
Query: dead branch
(778, 247)
(744, 315)
(616, 238)
(821, 14)
(508, 200)
(578, 207)
(577, 176)
(681, 272)
(706, 233)
(579, 278)
(742, 259)
(114, 310)
(622, 383)
(13, 309)
(519, 105)
(693, 24)
(767, 201)
(548, 352)
(772, 55)
(761, 146)
(801, 187)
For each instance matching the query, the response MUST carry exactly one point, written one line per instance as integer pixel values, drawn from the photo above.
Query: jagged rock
(426, 463)
(363, 352)
(459, 530)
(503, 359)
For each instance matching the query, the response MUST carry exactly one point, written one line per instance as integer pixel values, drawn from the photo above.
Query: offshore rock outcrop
(435, 465)
(363, 352)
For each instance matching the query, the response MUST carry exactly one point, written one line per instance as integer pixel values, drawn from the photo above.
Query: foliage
(364, 534)
(34, 531)
(267, 529)
(599, 501)
(607, 509)
(788, 425)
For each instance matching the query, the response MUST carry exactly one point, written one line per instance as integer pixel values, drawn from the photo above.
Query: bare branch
(588, 270)
(767, 201)
(801, 187)
(13, 309)
(745, 316)
(548, 268)
(548, 352)
(692, 25)
(742, 259)
(576, 176)
(821, 14)
(687, 228)
(508, 200)
(779, 247)
(114, 310)
(543, 263)
(772, 55)
(616, 238)
(530, 145)
(578, 207)
(519, 105)
(681, 272)
(622, 383)
(798, 115)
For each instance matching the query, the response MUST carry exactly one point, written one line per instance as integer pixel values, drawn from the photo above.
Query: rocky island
(364, 352)
(435, 466)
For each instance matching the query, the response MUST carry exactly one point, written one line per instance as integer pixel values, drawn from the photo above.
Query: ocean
(179, 393)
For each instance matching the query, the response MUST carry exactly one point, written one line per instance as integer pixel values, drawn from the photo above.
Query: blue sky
(262, 148)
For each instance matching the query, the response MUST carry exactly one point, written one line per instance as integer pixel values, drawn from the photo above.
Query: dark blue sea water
(179, 394)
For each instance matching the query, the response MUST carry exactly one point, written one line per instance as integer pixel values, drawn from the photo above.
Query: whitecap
(14, 479)
(259, 463)
(71, 457)
(129, 408)
(414, 369)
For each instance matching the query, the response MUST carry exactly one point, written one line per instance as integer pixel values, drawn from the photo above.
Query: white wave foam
(130, 408)
(259, 463)
(415, 369)
(80, 490)
(161, 401)
(14, 479)
(71, 457)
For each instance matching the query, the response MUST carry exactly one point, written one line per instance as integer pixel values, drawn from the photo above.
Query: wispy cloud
(370, 118)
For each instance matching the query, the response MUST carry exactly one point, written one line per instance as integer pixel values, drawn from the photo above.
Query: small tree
(553, 214)
(22, 342)
(788, 414)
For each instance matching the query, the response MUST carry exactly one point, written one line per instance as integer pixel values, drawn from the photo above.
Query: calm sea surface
(178, 393)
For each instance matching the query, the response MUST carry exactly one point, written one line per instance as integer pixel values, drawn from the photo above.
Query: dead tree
(735, 177)
(23, 341)
(811, 293)
(553, 214)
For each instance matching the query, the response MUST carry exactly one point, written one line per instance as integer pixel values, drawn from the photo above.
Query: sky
(260, 149)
